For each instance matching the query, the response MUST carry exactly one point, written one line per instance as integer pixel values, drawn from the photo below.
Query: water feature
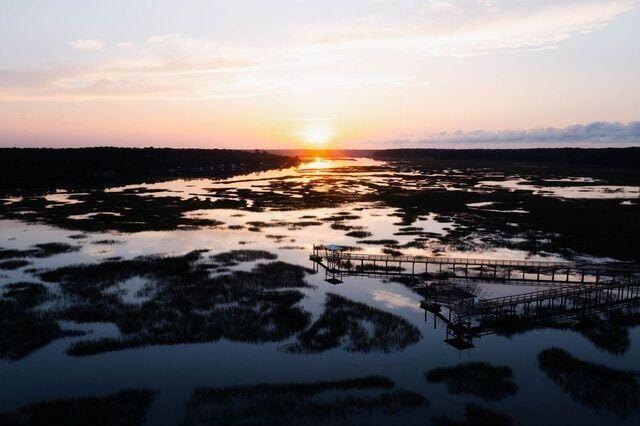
(177, 287)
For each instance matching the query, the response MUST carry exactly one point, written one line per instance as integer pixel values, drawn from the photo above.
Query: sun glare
(317, 164)
(316, 134)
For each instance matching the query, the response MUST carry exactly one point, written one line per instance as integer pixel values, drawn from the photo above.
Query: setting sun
(318, 134)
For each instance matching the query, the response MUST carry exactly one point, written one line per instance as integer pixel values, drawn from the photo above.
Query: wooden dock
(467, 318)
(576, 289)
(546, 300)
(337, 263)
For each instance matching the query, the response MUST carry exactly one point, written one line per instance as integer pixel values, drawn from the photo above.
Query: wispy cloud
(598, 132)
(324, 58)
(176, 67)
(89, 44)
(471, 28)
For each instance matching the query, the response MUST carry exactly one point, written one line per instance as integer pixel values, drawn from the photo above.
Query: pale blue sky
(302, 73)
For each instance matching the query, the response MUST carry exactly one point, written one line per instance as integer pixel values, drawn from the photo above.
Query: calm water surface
(175, 370)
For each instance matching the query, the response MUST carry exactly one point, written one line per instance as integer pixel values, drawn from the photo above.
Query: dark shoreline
(28, 169)
(620, 158)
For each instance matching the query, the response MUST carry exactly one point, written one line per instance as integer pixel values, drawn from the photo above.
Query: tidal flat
(194, 301)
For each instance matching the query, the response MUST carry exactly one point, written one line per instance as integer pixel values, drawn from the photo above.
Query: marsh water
(197, 290)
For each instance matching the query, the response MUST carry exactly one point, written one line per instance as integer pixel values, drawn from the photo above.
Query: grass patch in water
(391, 252)
(339, 217)
(475, 415)
(244, 256)
(182, 303)
(12, 265)
(342, 227)
(26, 329)
(358, 234)
(128, 407)
(355, 327)
(108, 242)
(277, 238)
(52, 249)
(326, 402)
(26, 294)
(594, 385)
(476, 378)
(608, 331)
(78, 236)
(129, 212)
(379, 242)
(39, 251)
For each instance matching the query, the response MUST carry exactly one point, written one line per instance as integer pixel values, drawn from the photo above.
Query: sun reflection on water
(318, 163)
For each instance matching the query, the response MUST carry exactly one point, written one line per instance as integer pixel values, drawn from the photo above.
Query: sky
(329, 74)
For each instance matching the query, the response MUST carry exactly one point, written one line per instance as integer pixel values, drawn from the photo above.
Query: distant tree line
(106, 161)
(610, 157)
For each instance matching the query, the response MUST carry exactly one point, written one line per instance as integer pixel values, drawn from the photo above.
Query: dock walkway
(341, 262)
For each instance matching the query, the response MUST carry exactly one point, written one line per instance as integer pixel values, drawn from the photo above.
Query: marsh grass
(108, 242)
(52, 249)
(235, 256)
(26, 294)
(391, 252)
(12, 265)
(24, 329)
(39, 251)
(181, 302)
(128, 407)
(327, 402)
(78, 236)
(596, 227)
(358, 234)
(475, 415)
(338, 226)
(278, 238)
(134, 212)
(355, 327)
(608, 331)
(594, 385)
(379, 242)
(476, 378)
